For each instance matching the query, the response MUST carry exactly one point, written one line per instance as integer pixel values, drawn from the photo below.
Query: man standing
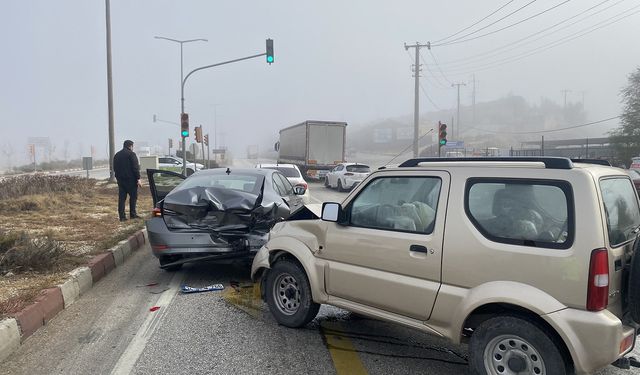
(127, 170)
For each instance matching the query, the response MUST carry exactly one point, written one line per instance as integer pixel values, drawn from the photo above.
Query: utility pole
(473, 99)
(565, 91)
(458, 116)
(202, 143)
(416, 109)
(112, 147)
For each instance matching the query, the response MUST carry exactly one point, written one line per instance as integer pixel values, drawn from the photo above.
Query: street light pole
(112, 147)
(184, 140)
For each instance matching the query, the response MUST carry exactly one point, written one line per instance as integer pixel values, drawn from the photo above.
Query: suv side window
(621, 208)
(536, 213)
(406, 204)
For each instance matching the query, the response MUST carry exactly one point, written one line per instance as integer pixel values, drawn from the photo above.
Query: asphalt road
(111, 330)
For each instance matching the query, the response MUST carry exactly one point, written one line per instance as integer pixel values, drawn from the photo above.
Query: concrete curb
(9, 337)
(51, 301)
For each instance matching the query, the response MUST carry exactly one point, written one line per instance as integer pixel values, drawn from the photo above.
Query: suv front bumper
(593, 338)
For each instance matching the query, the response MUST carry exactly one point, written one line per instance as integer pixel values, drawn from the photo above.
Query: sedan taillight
(156, 212)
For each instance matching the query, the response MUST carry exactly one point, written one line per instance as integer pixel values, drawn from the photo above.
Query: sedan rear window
(621, 208)
(286, 171)
(250, 184)
(358, 168)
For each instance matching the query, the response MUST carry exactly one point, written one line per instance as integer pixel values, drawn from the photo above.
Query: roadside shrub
(19, 252)
(15, 187)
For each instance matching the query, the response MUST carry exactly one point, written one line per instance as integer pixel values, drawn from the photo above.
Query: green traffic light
(269, 59)
(185, 133)
(443, 142)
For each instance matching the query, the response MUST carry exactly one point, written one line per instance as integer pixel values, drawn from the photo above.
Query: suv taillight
(598, 288)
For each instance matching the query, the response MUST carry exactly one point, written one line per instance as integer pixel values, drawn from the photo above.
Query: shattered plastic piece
(159, 291)
(154, 308)
(210, 288)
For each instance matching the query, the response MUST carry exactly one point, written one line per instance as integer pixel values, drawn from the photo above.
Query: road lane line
(135, 348)
(344, 355)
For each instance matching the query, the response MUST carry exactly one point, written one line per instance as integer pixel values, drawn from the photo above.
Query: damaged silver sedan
(219, 214)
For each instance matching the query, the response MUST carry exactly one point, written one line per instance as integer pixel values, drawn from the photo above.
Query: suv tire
(326, 182)
(289, 295)
(514, 344)
(633, 290)
(170, 259)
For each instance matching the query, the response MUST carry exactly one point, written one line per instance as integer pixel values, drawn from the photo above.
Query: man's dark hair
(128, 143)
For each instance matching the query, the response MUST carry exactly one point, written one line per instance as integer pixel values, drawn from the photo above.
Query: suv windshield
(621, 208)
(358, 168)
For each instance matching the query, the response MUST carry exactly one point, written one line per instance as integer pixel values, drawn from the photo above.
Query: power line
(475, 23)
(547, 131)
(437, 80)
(461, 40)
(429, 98)
(438, 66)
(545, 47)
(490, 53)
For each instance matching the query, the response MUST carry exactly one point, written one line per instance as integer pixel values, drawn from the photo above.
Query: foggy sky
(334, 60)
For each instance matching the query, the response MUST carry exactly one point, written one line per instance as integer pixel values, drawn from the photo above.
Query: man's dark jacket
(126, 166)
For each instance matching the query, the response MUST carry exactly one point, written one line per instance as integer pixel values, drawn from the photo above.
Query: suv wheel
(170, 259)
(326, 182)
(289, 295)
(512, 345)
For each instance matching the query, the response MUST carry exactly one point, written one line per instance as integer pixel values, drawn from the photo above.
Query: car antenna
(228, 171)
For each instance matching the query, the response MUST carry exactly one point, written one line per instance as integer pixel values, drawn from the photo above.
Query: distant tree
(626, 138)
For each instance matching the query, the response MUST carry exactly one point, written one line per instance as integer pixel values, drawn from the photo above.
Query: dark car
(218, 214)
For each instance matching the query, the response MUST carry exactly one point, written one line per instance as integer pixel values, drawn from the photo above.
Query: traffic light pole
(184, 81)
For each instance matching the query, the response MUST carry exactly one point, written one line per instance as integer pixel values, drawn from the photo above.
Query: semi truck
(314, 146)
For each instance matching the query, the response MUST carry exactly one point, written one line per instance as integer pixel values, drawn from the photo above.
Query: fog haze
(334, 60)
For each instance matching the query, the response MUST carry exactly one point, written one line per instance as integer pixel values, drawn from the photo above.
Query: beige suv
(529, 260)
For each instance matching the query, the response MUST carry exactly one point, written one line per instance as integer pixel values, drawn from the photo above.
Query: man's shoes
(123, 219)
(135, 216)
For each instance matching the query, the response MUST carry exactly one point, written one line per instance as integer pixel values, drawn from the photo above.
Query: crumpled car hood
(219, 210)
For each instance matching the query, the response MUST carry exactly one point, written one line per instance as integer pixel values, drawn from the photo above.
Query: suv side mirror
(332, 212)
(299, 190)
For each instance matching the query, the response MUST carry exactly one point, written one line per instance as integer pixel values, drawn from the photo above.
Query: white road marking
(130, 356)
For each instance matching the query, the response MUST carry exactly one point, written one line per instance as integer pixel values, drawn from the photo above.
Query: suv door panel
(376, 267)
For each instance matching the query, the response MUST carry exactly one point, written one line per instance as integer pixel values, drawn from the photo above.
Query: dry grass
(49, 218)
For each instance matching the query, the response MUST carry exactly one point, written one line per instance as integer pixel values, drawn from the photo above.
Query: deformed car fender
(289, 246)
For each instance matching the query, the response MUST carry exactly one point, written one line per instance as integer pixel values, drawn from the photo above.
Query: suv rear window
(358, 168)
(537, 213)
(621, 208)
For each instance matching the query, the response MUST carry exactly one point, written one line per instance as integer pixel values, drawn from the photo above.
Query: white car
(173, 163)
(345, 176)
(292, 173)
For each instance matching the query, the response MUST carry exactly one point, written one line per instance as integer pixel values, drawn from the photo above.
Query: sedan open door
(161, 182)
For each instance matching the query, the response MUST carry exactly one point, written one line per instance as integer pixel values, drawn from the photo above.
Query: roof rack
(549, 161)
(592, 161)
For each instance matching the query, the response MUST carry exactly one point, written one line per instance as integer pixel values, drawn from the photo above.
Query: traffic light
(198, 134)
(270, 57)
(206, 139)
(442, 134)
(184, 125)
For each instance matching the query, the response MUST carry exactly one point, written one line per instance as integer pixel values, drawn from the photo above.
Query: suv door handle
(418, 249)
